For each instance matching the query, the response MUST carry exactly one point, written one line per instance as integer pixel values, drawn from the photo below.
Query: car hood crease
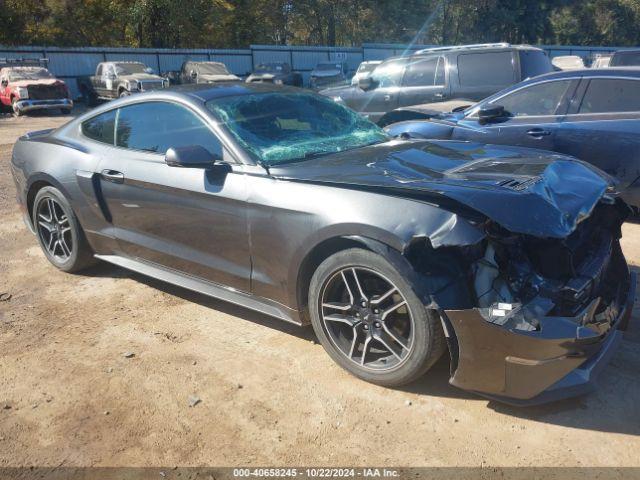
(526, 191)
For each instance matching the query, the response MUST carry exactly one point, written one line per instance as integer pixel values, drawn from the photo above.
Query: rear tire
(59, 233)
(65, 111)
(124, 93)
(405, 339)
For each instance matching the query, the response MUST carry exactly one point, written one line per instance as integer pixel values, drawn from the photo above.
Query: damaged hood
(526, 191)
(40, 81)
(219, 77)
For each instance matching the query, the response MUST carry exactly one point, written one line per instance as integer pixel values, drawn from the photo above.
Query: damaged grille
(46, 92)
(572, 271)
(144, 86)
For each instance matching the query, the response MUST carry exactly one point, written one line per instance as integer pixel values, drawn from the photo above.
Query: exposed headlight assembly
(23, 92)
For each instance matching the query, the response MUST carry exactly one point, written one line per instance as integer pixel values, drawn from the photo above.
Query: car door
(384, 95)
(603, 127)
(532, 116)
(186, 219)
(424, 81)
(97, 81)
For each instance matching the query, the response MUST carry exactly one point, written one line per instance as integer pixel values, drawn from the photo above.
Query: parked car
(364, 70)
(602, 60)
(593, 115)
(327, 74)
(567, 62)
(26, 85)
(205, 72)
(276, 73)
(625, 58)
(466, 73)
(119, 79)
(293, 205)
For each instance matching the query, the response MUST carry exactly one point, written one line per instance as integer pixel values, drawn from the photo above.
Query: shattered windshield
(286, 127)
(213, 69)
(130, 68)
(29, 73)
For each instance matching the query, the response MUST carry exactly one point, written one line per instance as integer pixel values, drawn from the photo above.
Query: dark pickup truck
(119, 79)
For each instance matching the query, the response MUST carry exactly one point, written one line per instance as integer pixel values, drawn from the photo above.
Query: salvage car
(466, 73)
(278, 73)
(568, 62)
(290, 204)
(27, 85)
(119, 79)
(593, 115)
(329, 74)
(205, 72)
(364, 70)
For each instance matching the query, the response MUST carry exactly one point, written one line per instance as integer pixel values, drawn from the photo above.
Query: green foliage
(239, 23)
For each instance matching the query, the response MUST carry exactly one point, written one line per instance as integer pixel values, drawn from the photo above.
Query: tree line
(239, 23)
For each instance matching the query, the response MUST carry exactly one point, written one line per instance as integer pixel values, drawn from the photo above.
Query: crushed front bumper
(560, 360)
(27, 105)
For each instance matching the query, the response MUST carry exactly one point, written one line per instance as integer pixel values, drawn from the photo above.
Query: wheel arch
(36, 183)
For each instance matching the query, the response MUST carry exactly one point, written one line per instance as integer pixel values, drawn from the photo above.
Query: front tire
(370, 321)
(14, 106)
(59, 233)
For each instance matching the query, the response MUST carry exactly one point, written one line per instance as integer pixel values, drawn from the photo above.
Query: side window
(389, 74)
(158, 126)
(540, 99)
(491, 68)
(424, 73)
(610, 96)
(101, 127)
(99, 71)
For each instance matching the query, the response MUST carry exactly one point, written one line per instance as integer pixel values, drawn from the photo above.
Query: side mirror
(366, 83)
(193, 74)
(192, 156)
(488, 113)
(111, 76)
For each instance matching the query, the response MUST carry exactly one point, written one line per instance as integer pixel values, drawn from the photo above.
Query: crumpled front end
(548, 313)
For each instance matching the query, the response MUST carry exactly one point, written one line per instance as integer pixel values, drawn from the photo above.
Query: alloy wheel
(54, 229)
(367, 318)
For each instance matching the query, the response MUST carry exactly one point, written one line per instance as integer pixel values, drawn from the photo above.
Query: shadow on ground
(614, 407)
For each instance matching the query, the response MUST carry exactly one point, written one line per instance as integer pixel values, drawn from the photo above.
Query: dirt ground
(269, 394)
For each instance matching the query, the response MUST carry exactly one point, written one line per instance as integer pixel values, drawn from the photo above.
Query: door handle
(438, 95)
(387, 98)
(538, 133)
(113, 176)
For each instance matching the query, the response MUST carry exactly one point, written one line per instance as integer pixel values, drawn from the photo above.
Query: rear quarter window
(490, 68)
(100, 128)
(534, 63)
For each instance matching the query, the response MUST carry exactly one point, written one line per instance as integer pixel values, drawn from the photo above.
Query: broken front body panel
(517, 249)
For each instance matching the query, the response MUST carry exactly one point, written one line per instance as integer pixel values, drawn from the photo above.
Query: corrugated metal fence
(71, 62)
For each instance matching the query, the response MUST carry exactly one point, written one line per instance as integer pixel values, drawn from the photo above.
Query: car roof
(631, 72)
(627, 50)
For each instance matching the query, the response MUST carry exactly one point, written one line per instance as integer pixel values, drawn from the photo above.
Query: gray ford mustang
(394, 250)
